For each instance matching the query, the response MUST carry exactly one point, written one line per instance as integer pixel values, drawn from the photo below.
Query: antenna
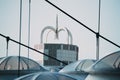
(56, 21)
(56, 27)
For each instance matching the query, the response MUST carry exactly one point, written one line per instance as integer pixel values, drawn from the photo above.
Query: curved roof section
(12, 63)
(110, 63)
(46, 76)
(80, 65)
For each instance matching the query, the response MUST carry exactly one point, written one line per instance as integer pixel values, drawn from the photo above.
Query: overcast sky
(43, 14)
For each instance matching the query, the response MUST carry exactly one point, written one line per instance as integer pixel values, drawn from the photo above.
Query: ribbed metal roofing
(12, 63)
(46, 76)
(109, 63)
(107, 68)
(78, 66)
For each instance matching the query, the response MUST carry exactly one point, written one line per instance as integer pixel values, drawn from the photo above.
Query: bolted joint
(7, 38)
(97, 35)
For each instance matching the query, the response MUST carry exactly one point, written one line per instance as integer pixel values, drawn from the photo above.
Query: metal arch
(69, 34)
(62, 29)
(47, 34)
(48, 27)
(56, 31)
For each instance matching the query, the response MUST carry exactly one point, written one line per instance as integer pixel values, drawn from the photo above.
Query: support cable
(82, 24)
(33, 49)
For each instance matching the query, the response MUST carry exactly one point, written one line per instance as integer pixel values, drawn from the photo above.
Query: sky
(43, 15)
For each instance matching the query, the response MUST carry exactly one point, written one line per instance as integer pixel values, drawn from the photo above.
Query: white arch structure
(57, 31)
